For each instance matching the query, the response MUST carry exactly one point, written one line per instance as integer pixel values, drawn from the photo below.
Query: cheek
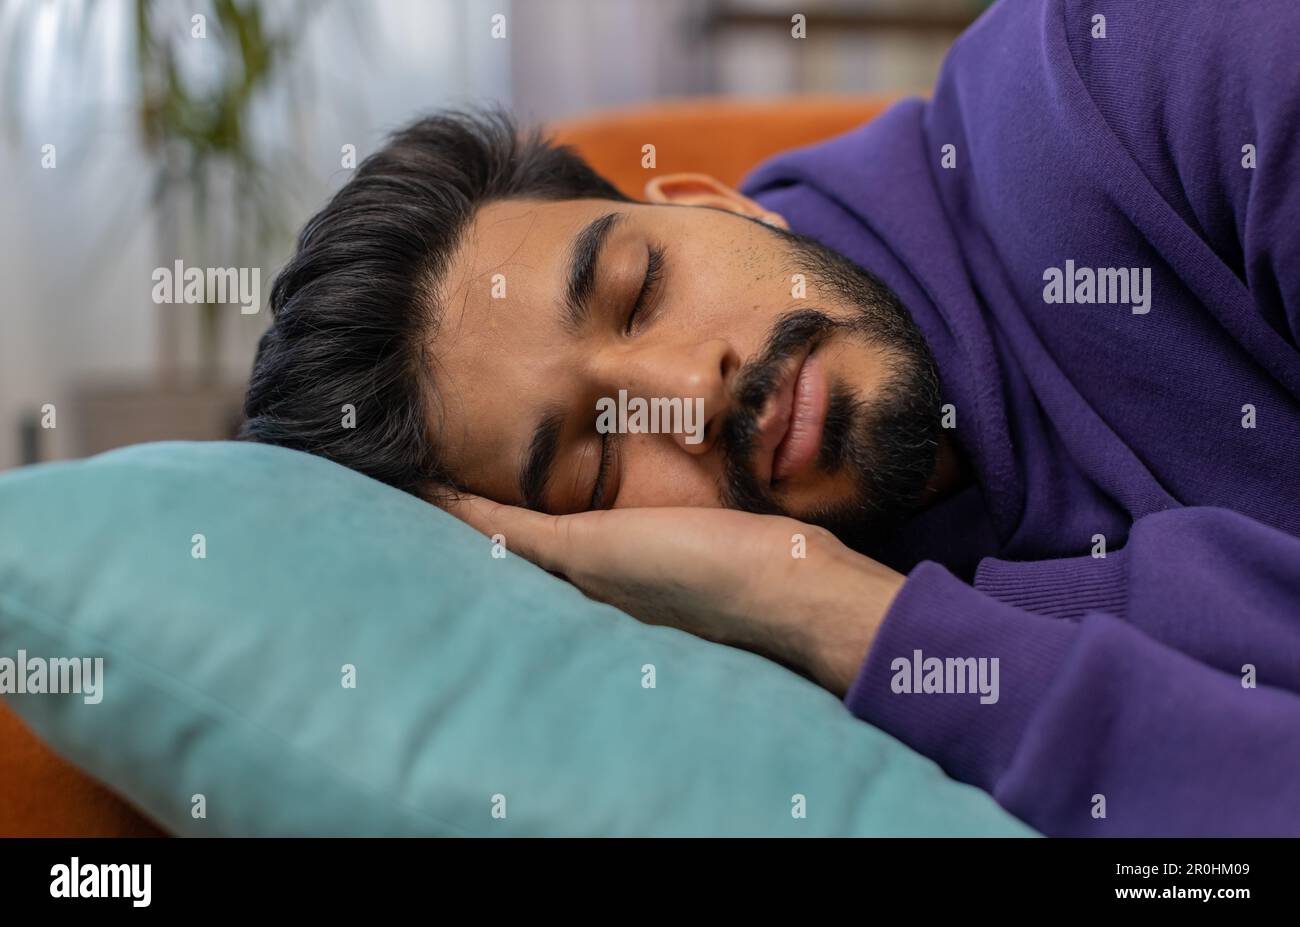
(736, 289)
(658, 473)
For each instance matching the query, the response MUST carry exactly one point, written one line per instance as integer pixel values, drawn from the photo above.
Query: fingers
(474, 510)
(544, 539)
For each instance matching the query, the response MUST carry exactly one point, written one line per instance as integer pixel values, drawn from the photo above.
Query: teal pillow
(489, 697)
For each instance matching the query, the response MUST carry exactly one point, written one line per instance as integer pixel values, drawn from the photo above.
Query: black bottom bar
(868, 876)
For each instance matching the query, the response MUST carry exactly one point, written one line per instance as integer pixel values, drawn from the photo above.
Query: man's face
(819, 403)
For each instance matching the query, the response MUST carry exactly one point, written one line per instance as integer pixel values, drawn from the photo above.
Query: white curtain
(79, 242)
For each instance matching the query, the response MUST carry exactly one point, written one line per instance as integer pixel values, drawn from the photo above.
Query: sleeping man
(998, 432)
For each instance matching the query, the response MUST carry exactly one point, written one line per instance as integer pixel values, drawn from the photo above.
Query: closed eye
(602, 475)
(654, 270)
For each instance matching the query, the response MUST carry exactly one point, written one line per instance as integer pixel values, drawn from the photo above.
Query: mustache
(756, 383)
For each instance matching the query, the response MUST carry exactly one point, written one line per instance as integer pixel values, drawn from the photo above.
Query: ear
(703, 190)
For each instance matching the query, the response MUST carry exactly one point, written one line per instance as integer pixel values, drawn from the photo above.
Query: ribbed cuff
(938, 615)
(1067, 588)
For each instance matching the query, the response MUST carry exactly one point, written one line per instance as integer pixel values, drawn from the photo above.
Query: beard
(887, 443)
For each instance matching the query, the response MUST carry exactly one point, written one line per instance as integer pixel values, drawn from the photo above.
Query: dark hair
(355, 307)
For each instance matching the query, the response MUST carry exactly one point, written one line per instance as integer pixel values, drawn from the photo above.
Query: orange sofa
(724, 138)
(42, 795)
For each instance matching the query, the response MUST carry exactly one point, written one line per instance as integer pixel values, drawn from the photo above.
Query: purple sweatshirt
(1155, 689)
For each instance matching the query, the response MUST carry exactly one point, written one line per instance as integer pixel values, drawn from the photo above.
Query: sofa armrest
(42, 795)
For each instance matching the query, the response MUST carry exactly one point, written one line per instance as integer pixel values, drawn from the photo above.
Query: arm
(1119, 677)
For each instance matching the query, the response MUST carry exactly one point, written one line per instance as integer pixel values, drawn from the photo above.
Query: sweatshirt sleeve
(1155, 691)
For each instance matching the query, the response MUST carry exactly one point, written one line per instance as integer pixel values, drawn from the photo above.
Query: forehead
(498, 330)
(500, 227)
(516, 242)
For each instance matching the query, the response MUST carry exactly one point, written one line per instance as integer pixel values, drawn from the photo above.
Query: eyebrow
(540, 459)
(584, 257)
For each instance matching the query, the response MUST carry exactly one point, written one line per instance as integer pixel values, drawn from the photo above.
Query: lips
(790, 428)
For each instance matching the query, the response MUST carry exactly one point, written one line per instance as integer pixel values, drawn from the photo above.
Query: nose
(697, 373)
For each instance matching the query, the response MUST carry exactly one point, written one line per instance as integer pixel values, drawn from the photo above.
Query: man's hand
(773, 585)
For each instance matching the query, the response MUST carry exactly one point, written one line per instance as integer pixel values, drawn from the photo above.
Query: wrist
(849, 615)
